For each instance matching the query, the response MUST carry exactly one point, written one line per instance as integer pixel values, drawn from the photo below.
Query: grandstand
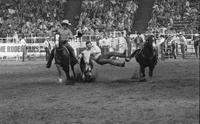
(36, 18)
(180, 16)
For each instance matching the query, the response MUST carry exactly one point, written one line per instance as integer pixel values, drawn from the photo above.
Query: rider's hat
(65, 22)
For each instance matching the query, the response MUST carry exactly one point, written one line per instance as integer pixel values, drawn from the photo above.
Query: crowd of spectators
(167, 12)
(107, 15)
(37, 17)
(34, 17)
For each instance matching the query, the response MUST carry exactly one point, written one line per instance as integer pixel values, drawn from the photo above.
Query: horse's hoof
(60, 80)
(134, 77)
(151, 81)
(127, 59)
(142, 80)
(83, 77)
(70, 83)
(89, 80)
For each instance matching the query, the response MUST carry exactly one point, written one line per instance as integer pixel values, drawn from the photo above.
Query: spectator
(123, 46)
(118, 14)
(23, 47)
(197, 45)
(173, 46)
(182, 42)
(138, 41)
(47, 47)
(160, 41)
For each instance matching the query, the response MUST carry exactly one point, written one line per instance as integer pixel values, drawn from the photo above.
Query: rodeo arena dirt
(31, 91)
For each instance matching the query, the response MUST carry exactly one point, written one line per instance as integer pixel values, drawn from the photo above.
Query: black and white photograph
(99, 61)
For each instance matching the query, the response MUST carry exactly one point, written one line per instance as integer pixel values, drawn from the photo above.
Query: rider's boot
(48, 65)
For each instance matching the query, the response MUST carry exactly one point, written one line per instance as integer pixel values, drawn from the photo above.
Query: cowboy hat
(65, 22)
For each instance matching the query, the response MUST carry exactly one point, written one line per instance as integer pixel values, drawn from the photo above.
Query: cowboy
(160, 42)
(183, 44)
(47, 47)
(196, 45)
(65, 36)
(23, 47)
(123, 45)
(94, 52)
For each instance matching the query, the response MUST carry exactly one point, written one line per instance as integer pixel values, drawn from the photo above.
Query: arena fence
(10, 47)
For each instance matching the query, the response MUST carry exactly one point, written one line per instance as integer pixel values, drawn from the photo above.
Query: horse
(63, 61)
(86, 69)
(146, 57)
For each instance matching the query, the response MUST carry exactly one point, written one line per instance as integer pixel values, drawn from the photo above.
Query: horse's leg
(151, 68)
(142, 73)
(72, 67)
(66, 69)
(196, 51)
(135, 73)
(114, 54)
(59, 73)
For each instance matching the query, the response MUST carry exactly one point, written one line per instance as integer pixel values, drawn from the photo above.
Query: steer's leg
(68, 81)
(142, 73)
(60, 80)
(151, 68)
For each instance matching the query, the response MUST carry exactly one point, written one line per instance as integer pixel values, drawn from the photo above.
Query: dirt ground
(30, 94)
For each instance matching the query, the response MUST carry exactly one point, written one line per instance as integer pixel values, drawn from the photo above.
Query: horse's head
(86, 68)
(148, 50)
(57, 40)
(150, 39)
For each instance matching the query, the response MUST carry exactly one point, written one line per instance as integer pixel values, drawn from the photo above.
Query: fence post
(7, 38)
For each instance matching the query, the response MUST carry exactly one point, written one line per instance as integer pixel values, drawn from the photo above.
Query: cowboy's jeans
(105, 59)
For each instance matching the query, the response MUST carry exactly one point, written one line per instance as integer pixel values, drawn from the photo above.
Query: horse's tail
(134, 53)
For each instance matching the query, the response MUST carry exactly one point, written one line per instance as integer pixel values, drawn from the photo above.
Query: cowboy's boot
(48, 65)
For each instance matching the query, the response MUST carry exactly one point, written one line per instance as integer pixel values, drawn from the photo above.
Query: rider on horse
(94, 52)
(65, 34)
